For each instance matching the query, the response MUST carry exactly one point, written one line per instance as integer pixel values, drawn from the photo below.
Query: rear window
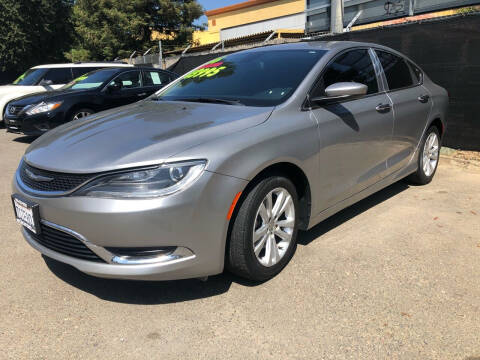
(396, 70)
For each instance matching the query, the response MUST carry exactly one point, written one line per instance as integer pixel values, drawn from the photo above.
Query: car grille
(63, 243)
(61, 182)
(14, 109)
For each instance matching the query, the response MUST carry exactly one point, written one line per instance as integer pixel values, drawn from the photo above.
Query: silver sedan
(222, 167)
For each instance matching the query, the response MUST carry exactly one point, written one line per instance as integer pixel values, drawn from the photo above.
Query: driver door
(130, 89)
(355, 134)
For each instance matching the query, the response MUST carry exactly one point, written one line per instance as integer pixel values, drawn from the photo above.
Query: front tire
(428, 157)
(263, 237)
(80, 114)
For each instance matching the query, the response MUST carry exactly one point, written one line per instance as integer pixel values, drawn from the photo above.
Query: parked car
(223, 166)
(48, 77)
(99, 90)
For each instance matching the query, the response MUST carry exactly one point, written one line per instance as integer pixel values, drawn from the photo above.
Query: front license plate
(26, 213)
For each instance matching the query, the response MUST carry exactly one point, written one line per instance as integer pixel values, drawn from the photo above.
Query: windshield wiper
(210, 100)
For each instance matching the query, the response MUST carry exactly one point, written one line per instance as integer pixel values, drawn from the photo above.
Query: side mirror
(341, 91)
(45, 82)
(116, 86)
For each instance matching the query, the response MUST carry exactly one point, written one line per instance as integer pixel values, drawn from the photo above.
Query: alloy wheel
(81, 115)
(430, 154)
(273, 227)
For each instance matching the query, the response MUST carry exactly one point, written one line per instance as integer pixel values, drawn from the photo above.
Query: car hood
(145, 133)
(46, 96)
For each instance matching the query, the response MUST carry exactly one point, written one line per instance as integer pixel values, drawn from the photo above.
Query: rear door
(154, 80)
(411, 106)
(131, 89)
(354, 134)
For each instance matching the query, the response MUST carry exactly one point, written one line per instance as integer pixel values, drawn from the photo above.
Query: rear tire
(263, 237)
(428, 157)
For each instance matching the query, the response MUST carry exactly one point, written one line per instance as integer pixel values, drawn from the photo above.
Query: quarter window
(153, 78)
(396, 70)
(353, 66)
(417, 73)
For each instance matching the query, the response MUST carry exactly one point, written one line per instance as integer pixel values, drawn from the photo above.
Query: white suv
(47, 77)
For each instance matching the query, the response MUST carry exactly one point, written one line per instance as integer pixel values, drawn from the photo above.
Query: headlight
(148, 183)
(43, 107)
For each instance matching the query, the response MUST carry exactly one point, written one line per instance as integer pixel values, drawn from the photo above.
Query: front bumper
(34, 125)
(193, 221)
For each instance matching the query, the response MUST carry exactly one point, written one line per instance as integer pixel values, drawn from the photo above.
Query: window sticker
(210, 69)
(155, 78)
(20, 78)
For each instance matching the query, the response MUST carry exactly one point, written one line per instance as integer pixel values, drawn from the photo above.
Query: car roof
(82, 64)
(320, 45)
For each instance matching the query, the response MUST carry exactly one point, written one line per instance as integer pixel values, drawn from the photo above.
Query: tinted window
(396, 70)
(58, 76)
(91, 80)
(355, 66)
(30, 77)
(79, 71)
(153, 78)
(255, 78)
(129, 80)
(417, 73)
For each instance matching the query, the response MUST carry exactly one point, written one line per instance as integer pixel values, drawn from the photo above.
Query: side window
(153, 78)
(396, 70)
(417, 73)
(58, 76)
(355, 66)
(79, 71)
(129, 80)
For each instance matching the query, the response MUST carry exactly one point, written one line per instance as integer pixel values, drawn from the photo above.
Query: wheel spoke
(262, 211)
(262, 230)
(287, 201)
(274, 255)
(260, 245)
(287, 223)
(278, 204)
(283, 234)
(269, 205)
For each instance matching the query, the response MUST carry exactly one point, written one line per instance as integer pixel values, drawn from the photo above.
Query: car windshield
(91, 80)
(30, 77)
(257, 78)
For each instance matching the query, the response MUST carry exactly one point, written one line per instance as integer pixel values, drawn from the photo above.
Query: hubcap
(80, 115)
(430, 154)
(273, 227)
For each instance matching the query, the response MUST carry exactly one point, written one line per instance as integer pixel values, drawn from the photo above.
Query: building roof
(242, 5)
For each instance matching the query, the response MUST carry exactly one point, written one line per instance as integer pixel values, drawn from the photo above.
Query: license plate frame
(27, 213)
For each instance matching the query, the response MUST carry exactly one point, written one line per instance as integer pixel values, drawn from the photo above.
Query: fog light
(139, 256)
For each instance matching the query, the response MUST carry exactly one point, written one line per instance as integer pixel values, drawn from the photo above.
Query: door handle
(142, 94)
(383, 108)
(423, 98)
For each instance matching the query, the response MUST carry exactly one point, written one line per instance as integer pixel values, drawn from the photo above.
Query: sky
(213, 4)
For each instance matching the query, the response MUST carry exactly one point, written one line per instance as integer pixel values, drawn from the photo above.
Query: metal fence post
(336, 16)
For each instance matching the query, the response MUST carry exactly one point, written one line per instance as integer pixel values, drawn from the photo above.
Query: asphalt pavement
(396, 276)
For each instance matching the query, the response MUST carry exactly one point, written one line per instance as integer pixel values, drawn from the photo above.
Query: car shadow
(165, 292)
(306, 237)
(144, 292)
(25, 139)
